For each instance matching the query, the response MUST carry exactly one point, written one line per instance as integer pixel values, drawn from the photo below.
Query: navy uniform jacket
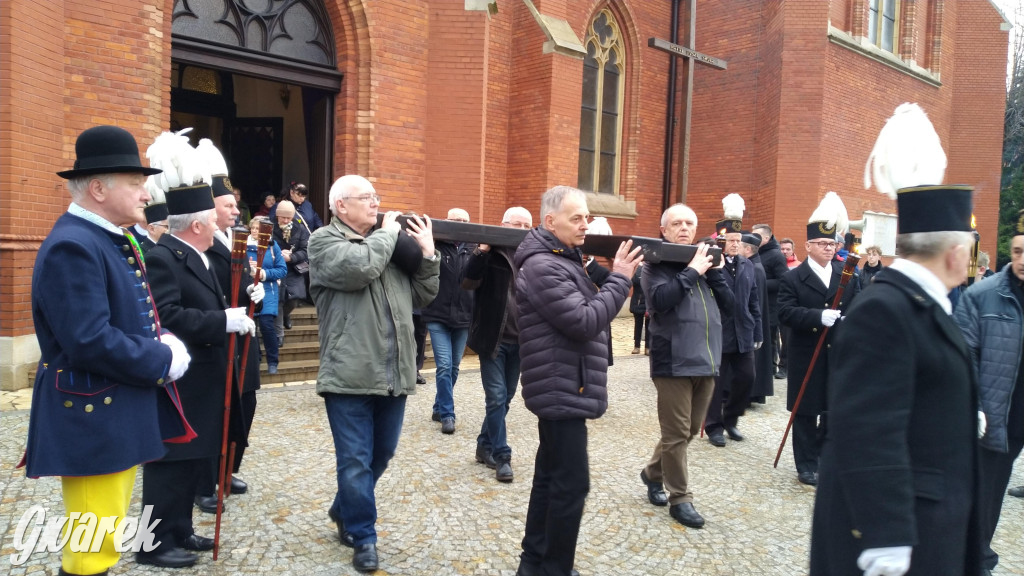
(101, 403)
(192, 307)
(898, 465)
(802, 298)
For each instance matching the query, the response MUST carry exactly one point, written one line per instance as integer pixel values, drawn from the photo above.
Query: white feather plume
(211, 156)
(156, 193)
(733, 206)
(599, 227)
(908, 152)
(832, 212)
(181, 166)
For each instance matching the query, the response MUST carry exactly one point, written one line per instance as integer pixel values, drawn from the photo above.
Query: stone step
(292, 371)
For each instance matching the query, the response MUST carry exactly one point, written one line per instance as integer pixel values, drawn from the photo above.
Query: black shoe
(207, 504)
(196, 543)
(287, 323)
(809, 478)
(61, 572)
(686, 514)
(365, 558)
(435, 417)
(655, 491)
(420, 379)
(527, 570)
(448, 425)
(343, 534)
(483, 456)
(167, 558)
(780, 374)
(717, 439)
(238, 486)
(1017, 492)
(733, 433)
(503, 472)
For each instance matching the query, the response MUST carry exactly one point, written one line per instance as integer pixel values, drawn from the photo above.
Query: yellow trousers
(104, 496)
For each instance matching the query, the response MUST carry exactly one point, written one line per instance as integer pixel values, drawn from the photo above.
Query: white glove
(255, 292)
(894, 561)
(982, 424)
(829, 317)
(239, 322)
(179, 356)
(757, 345)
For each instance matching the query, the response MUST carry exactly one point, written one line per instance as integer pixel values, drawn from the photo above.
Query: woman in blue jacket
(274, 269)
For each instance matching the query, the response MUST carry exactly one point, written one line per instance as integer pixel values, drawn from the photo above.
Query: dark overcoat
(802, 298)
(898, 466)
(741, 323)
(294, 283)
(764, 369)
(101, 395)
(192, 306)
(220, 261)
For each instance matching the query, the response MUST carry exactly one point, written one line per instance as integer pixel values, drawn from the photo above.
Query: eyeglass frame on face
(366, 198)
(519, 225)
(825, 244)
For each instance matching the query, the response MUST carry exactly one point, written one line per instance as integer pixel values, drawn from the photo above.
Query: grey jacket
(993, 326)
(364, 305)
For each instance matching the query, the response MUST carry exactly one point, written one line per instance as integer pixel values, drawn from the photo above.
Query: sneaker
(272, 369)
(448, 425)
(503, 473)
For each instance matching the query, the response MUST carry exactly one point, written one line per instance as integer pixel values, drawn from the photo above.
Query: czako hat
(189, 199)
(732, 211)
(156, 212)
(106, 150)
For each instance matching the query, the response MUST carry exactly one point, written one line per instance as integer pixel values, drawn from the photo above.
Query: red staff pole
(237, 263)
(851, 264)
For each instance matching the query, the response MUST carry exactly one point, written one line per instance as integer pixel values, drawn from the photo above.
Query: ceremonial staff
(848, 268)
(237, 264)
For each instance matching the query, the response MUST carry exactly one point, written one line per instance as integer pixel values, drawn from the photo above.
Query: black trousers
(170, 488)
(561, 480)
(808, 436)
(207, 485)
(994, 476)
(735, 375)
(641, 330)
(419, 331)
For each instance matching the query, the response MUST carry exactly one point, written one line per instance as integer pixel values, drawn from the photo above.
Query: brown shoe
(636, 351)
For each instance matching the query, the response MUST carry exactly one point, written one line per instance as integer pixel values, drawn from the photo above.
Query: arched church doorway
(258, 78)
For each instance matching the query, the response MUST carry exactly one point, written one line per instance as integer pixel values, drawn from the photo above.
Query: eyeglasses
(824, 244)
(374, 198)
(159, 224)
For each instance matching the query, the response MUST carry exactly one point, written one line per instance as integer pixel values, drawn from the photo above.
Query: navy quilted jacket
(991, 320)
(563, 329)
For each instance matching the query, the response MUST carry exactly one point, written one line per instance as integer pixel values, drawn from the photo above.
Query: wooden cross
(692, 55)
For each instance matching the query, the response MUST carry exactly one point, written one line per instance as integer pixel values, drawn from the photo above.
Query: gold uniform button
(88, 407)
(68, 403)
(159, 380)
(149, 299)
(108, 400)
(131, 260)
(152, 327)
(143, 284)
(814, 329)
(138, 273)
(856, 533)
(124, 247)
(151, 315)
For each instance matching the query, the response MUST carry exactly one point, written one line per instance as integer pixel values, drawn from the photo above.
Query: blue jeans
(500, 377)
(270, 340)
(448, 345)
(366, 431)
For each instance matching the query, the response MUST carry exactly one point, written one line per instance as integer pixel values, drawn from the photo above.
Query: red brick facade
(444, 107)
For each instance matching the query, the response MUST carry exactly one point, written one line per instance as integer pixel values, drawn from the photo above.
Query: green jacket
(364, 305)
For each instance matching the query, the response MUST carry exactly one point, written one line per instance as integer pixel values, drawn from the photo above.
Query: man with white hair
(494, 336)
(447, 319)
(365, 282)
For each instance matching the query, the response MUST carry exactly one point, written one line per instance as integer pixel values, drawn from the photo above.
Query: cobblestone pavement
(442, 513)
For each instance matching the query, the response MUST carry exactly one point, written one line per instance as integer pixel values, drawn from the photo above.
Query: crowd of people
(889, 387)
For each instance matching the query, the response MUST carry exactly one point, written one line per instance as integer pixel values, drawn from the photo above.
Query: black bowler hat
(106, 150)
(407, 255)
(156, 212)
(189, 199)
(934, 209)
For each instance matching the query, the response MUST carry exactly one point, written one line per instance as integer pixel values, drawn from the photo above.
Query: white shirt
(926, 279)
(76, 210)
(224, 237)
(824, 273)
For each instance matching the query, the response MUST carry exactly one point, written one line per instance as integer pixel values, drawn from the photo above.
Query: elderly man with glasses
(805, 298)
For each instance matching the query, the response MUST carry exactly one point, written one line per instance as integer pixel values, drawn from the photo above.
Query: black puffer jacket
(563, 323)
(453, 306)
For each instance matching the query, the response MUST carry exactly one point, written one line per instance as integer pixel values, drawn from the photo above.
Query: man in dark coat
(764, 370)
(563, 323)
(686, 303)
(805, 299)
(104, 378)
(897, 483)
(775, 267)
(741, 337)
(494, 336)
(192, 305)
(219, 256)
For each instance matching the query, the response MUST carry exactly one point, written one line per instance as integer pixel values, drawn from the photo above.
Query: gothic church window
(883, 23)
(601, 111)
